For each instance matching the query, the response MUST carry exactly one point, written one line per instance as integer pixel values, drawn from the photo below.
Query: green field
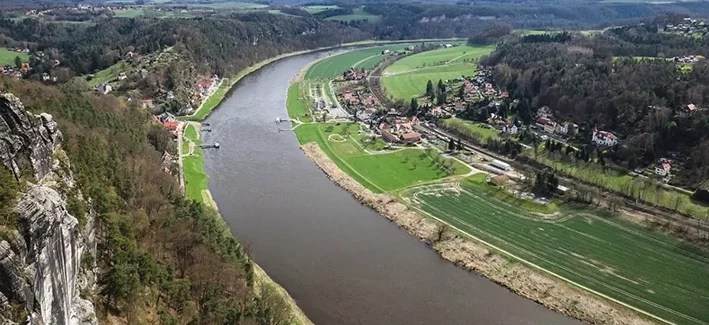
(468, 127)
(8, 57)
(234, 5)
(108, 74)
(357, 14)
(317, 9)
(407, 77)
(195, 177)
(335, 65)
(128, 13)
(456, 54)
(647, 270)
(297, 104)
(379, 173)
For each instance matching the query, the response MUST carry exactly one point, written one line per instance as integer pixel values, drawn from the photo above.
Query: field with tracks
(380, 172)
(646, 270)
(337, 64)
(357, 14)
(407, 77)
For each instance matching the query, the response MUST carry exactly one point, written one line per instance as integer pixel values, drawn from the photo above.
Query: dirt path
(538, 286)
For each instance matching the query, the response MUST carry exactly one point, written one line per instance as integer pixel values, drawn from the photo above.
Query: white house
(663, 170)
(604, 138)
(546, 124)
(104, 88)
(512, 129)
(561, 128)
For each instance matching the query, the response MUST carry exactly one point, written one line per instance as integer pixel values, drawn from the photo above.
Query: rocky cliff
(45, 255)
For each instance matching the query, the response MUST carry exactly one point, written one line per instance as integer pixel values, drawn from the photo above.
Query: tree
(441, 99)
(461, 92)
(451, 144)
(441, 86)
(429, 88)
(18, 62)
(413, 107)
(459, 145)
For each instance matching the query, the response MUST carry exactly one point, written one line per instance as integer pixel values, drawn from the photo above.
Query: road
(337, 111)
(180, 130)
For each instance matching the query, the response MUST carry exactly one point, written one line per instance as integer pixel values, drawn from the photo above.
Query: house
(449, 45)
(544, 111)
(561, 128)
(25, 66)
(410, 47)
(604, 138)
(546, 124)
(663, 170)
(388, 137)
(147, 103)
(411, 137)
(510, 129)
(104, 88)
(122, 75)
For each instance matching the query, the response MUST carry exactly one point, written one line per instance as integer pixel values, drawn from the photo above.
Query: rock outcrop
(41, 273)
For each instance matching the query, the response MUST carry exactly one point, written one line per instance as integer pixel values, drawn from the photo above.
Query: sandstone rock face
(40, 261)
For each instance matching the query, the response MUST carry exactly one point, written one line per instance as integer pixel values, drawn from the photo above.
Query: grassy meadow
(468, 126)
(380, 172)
(108, 74)
(357, 14)
(407, 78)
(8, 57)
(622, 260)
(297, 103)
(195, 177)
(319, 8)
(335, 65)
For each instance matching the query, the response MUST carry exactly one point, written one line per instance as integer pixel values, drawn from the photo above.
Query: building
(499, 180)
(104, 88)
(411, 137)
(604, 138)
(388, 137)
(500, 165)
(663, 170)
(511, 129)
(561, 128)
(546, 124)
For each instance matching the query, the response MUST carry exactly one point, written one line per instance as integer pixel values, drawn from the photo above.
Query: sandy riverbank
(538, 286)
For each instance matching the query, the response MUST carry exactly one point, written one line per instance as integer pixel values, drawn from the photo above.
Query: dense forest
(624, 80)
(159, 254)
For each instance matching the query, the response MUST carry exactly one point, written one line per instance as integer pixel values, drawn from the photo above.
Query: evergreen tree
(429, 88)
(441, 99)
(451, 145)
(461, 92)
(441, 86)
(459, 145)
(18, 62)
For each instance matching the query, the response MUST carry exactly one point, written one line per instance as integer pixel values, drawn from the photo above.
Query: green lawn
(8, 57)
(234, 5)
(195, 177)
(413, 84)
(357, 14)
(468, 127)
(297, 103)
(128, 13)
(335, 65)
(456, 54)
(317, 9)
(647, 270)
(379, 173)
(108, 74)
(407, 77)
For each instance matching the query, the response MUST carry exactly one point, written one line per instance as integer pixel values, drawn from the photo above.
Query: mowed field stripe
(566, 267)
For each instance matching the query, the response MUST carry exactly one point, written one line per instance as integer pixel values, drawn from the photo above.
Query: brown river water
(342, 262)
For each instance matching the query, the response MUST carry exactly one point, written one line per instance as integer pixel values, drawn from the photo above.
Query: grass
(456, 54)
(108, 74)
(645, 269)
(644, 190)
(195, 177)
(413, 84)
(233, 5)
(381, 172)
(297, 104)
(317, 9)
(335, 65)
(8, 57)
(462, 125)
(128, 13)
(407, 77)
(357, 14)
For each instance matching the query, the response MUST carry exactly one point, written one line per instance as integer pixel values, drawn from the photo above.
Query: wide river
(341, 261)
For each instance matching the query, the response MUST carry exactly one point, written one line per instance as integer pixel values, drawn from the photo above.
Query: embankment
(536, 285)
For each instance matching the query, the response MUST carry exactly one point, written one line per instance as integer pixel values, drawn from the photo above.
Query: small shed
(499, 180)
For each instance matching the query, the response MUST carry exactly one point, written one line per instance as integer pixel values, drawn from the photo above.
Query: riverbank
(225, 85)
(536, 285)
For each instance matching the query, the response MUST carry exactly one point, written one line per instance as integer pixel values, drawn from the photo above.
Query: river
(341, 261)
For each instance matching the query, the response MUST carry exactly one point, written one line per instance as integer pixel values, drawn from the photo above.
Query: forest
(625, 80)
(159, 254)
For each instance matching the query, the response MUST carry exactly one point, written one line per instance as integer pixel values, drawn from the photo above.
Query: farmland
(365, 58)
(319, 8)
(378, 172)
(602, 252)
(407, 77)
(8, 57)
(357, 14)
(128, 13)
(467, 127)
(108, 74)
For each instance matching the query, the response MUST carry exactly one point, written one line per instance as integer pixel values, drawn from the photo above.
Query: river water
(341, 261)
